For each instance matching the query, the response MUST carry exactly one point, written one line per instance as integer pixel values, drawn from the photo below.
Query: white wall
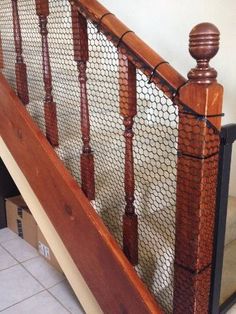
(165, 25)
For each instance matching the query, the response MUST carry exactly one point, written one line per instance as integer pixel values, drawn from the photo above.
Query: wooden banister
(81, 56)
(50, 113)
(20, 66)
(128, 110)
(93, 249)
(198, 145)
(93, 10)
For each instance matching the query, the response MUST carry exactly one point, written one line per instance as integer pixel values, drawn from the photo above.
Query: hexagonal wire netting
(155, 129)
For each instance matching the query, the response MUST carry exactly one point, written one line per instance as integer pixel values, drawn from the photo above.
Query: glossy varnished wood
(81, 56)
(93, 10)
(42, 10)
(20, 66)
(128, 110)
(139, 52)
(106, 270)
(197, 170)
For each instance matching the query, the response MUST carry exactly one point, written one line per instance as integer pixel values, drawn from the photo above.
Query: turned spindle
(42, 10)
(20, 66)
(197, 174)
(1, 54)
(81, 56)
(128, 110)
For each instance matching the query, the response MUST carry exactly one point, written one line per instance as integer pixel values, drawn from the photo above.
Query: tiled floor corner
(29, 284)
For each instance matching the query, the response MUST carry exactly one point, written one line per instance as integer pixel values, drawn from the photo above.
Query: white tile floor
(232, 310)
(28, 283)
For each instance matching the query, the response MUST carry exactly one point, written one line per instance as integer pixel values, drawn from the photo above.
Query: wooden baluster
(128, 110)
(81, 56)
(1, 54)
(198, 145)
(20, 67)
(42, 10)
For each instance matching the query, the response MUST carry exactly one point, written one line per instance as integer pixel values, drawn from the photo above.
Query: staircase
(120, 150)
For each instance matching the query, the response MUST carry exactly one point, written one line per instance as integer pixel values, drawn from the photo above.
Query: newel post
(198, 152)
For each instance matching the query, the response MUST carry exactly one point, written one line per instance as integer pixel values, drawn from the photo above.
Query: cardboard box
(46, 251)
(20, 220)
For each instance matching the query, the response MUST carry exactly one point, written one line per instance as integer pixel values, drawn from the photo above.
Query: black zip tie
(100, 20)
(192, 271)
(177, 90)
(121, 38)
(201, 157)
(201, 116)
(153, 71)
(215, 115)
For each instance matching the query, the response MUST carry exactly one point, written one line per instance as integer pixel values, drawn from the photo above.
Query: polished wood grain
(198, 145)
(20, 66)
(50, 113)
(102, 263)
(145, 58)
(128, 110)
(81, 56)
(93, 10)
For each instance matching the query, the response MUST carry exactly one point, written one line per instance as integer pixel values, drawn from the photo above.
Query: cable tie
(121, 38)
(153, 71)
(100, 20)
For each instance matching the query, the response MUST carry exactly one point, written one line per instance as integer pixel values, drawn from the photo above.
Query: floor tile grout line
(8, 241)
(35, 277)
(15, 236)
(9, 253)
(30, 259)
(44, 288)
(59, 301)
(8, 267)
(33, 295)
(20, 262)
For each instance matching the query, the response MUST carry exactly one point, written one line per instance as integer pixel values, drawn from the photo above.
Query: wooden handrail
(91, 246)
(98, 14)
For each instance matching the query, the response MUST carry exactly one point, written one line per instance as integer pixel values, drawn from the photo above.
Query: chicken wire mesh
(155, 128)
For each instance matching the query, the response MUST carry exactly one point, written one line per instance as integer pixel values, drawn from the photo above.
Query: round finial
(203, 46)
